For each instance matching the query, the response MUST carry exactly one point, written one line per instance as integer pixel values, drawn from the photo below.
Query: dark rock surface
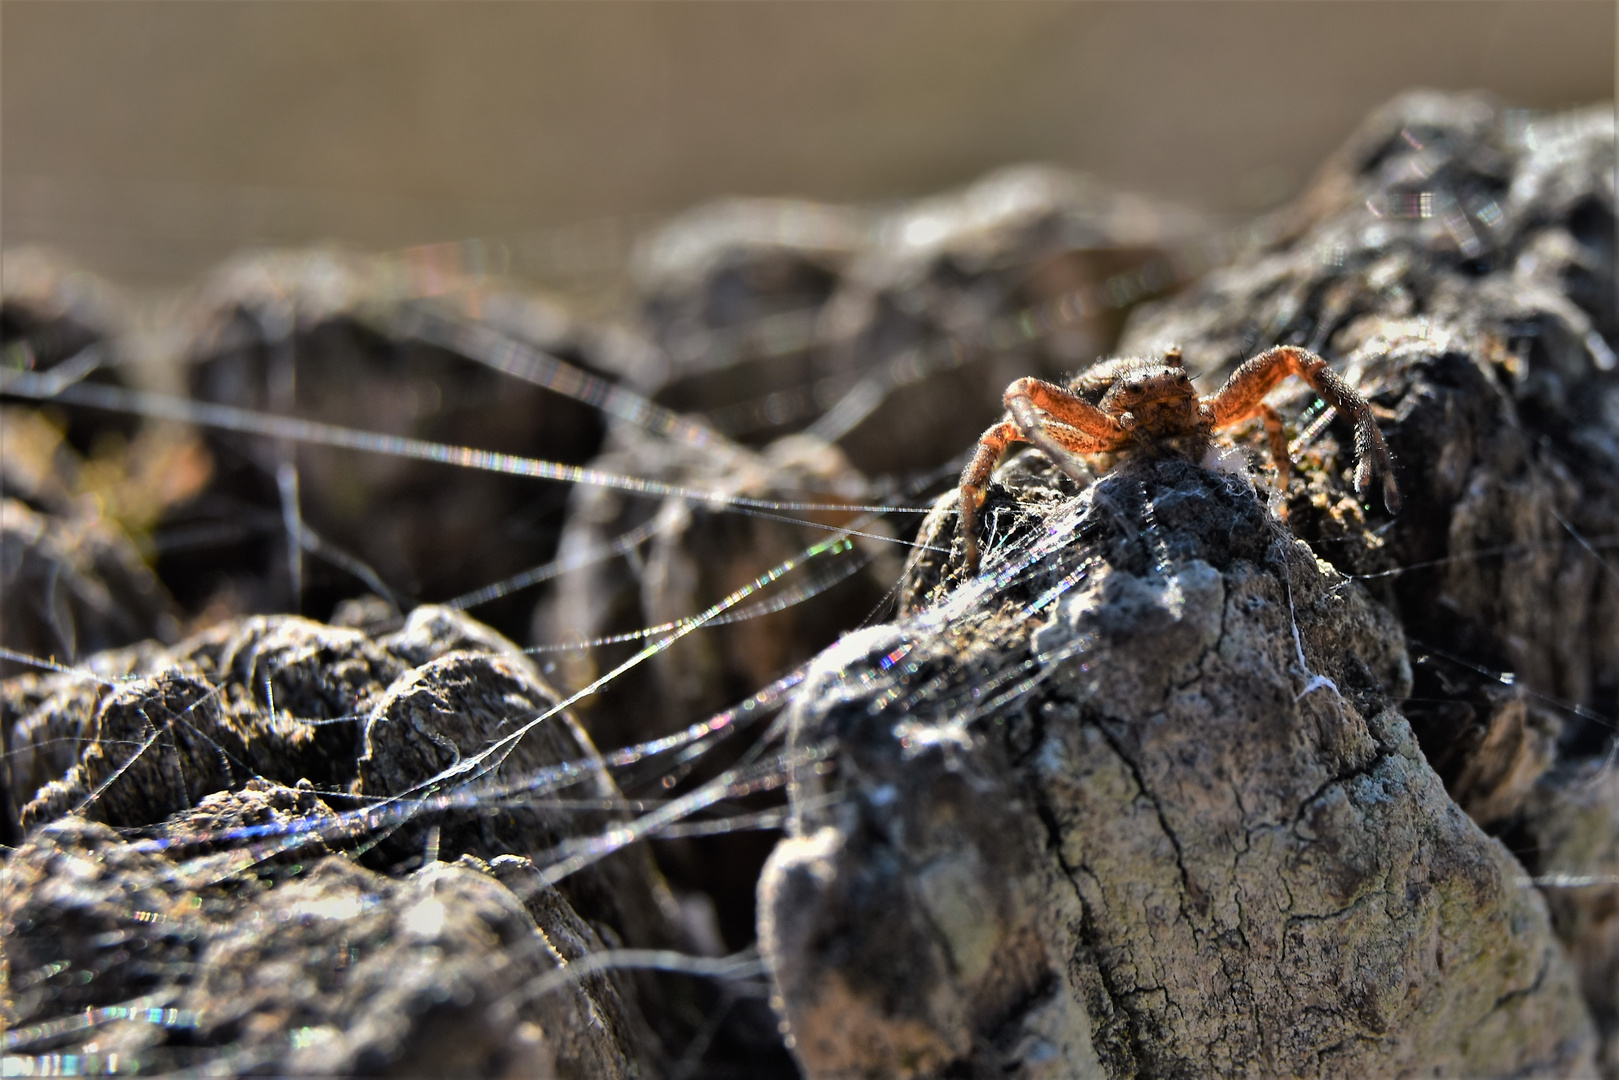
(58, 320)
(891, 332)
(74, 585)
(79, 489)
(1460, 260)
(361, 343)
(273, 781)
(334, 970)
(687, 556)
(1568, 836)
(1136, 826)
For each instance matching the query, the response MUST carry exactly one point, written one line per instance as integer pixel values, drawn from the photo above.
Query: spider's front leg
(1057, 421)
(991, 445)
(1243, 396)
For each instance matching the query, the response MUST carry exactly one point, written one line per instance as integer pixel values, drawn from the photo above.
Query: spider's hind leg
(1277, 437)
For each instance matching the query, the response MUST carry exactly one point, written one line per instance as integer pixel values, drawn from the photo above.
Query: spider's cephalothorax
(1152, 405)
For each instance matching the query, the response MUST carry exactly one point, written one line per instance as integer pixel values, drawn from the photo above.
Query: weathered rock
(345, 340)
(685, 556)
(59, 319)
(322, 970)
(1140, 802)
(100, 471)
(1146, 800)
(1155, 762)
(72, 586)
(1461, 258)
(78, 488)
(256, 766)
(1568, 835)
(89, 921)
(731, 292)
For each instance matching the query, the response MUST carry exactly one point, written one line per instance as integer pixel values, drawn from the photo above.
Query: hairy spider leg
(1243, 396)
(1060, 423)
(991, 445)
(1277, 437)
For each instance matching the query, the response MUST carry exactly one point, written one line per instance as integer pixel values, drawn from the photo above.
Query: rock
(1153, 795)
(890, 333)
(682, 557)
(79, 488)
(731, 292)
(1568, 835)
(295, 827)
(1198, 779)
(73, 585)
(833, 344)
(330, 969)
(361, 343)
(59, 320)
(1568, 838)
(1143, 804)
(1481, 327)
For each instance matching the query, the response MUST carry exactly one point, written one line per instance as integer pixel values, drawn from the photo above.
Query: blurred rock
(890, 332)
(614, 609)
(57, 319)
(736, 286)
(78, 492)
(683, 557)
(332, 970)
(1569, 837)
(71, 586)
(370, 345)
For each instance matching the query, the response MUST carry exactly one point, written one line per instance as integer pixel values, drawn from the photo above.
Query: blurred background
(147, 140)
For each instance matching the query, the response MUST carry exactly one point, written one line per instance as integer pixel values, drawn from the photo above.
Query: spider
(1132, 402)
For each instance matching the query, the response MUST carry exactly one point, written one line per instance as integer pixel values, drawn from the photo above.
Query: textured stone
(301, 886)
(325, 969)
(1174, 805)
(1168, 759)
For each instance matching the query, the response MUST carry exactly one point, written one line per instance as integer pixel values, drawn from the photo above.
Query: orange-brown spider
(1130, 402)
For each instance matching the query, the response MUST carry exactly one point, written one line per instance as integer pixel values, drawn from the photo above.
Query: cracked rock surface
(1199, 845)
(1181, 787)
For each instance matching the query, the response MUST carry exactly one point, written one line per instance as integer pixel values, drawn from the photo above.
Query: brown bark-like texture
(1193, 780)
